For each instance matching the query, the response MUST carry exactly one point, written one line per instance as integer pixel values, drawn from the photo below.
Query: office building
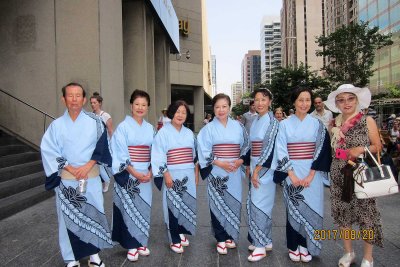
(301, 22)
(270, 41)
(237, 93)
(251, 70)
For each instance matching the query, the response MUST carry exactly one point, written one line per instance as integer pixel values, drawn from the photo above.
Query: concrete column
(162, 75)
(198, 95)
(134, 42)
(111, 59)
(150, 68)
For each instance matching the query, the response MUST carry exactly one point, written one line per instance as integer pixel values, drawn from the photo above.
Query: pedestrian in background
(163, 120)
(222, 145)
(302, 158)
(173, 160)
(351, 132)
(131, 146)
(96, 101)
(72, 147)
(326, 117)
(279, 114)
(248, 117)
(261, 196)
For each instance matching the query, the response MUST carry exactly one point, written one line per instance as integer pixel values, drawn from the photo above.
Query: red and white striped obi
(180, 156)
(303, 150)
(256, 147)
(226, 150)
(139, 153)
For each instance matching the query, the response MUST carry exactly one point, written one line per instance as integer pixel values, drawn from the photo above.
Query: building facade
(109, 46)
(251, 70)
(270, 46)
(338, 13)
(214, 75)
(191, 69)
(301, 22)
(237, 93)
(386, 15)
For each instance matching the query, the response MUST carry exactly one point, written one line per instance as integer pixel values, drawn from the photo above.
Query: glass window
(395, 74)
(384, 76)
(372, 11)
(383, 20)
(384, 57)
(395, 14)
(363, 16)
(362, 3)
(382, 5)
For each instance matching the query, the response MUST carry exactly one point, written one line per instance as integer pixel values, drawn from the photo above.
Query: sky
(233, 29)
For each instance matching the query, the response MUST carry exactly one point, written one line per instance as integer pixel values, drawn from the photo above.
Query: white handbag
(376, 181)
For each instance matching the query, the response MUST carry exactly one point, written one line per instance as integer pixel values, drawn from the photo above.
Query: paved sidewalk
(29, 238)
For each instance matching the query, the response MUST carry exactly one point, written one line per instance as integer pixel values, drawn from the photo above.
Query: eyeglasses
(350, 99)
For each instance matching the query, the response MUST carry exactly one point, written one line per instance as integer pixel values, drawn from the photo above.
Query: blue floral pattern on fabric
(179, 186)
(294, 194)
(74, 197)
(62, 162)
(132, 187)
(219, 184)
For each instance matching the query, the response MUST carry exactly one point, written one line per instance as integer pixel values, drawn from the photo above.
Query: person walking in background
(173, 160)
(326, 117)
(248, 117)
(71, 148)
(262, 189)
(351, 132)
(279, 114)
(131, 146)
(207, 119)
(96, 102)
(321, 113)
(163, 119)
(222, 145)
(302, 157)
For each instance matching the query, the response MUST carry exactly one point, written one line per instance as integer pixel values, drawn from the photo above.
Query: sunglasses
(343, 100)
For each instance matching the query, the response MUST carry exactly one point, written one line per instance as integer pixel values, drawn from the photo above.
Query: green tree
(351, 51)
(284, 80)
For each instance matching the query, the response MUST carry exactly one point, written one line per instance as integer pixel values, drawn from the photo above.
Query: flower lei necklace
(339, 128)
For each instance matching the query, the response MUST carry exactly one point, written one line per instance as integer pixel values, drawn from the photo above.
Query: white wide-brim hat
(363, 97)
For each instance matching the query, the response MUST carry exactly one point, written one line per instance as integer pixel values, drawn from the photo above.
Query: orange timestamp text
(349, 234)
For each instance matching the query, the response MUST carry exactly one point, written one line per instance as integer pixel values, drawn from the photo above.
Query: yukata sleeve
(101, 153)
(204, 151)
(52, 158)
(159, 152)
(323, 153)
(195, 157)
(281, 163)
(120, 156)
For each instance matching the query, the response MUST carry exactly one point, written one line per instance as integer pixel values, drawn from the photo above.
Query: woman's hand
(236, 164)
(307, 181)
(255, 179)
(226, 165)
(168, 180)
(354, 152)
(294, 179)
(83, 171)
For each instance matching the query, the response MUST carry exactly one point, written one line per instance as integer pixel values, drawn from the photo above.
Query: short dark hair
(97, 96)
(220, 96)
(251, 102)
(298, 90)
(140, 93)
(264, 91)
(63, 90)
(173, 107)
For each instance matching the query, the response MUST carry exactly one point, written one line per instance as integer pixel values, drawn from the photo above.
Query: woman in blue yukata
(261, 197)
(131, 146)
(222, 146)
(302, 158)
(173, 159)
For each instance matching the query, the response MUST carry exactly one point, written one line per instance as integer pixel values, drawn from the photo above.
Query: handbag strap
(372, 156)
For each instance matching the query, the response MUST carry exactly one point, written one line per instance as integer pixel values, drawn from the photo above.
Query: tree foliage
(392, 91)
(284, 80)
(350, 51)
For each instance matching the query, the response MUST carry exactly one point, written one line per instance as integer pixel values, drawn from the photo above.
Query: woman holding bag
(351, 132)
